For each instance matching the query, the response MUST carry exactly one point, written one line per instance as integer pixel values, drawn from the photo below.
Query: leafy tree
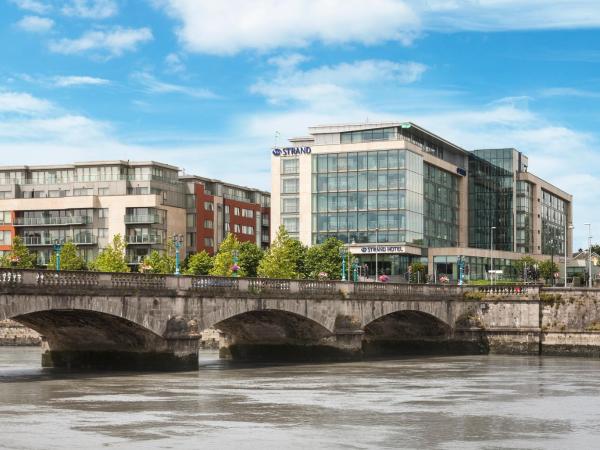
(522, 264)
(19, 256)
(547, 269)
(199, 263)
(223, 260)
(284, 259)
(418, 272)
(250, 257)
(69, 258)
(112, 258)
(325, 258)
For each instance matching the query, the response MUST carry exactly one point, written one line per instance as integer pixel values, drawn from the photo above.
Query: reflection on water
(443, 403)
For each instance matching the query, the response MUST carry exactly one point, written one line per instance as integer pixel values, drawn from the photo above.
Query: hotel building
(397, 193)
(146, 202)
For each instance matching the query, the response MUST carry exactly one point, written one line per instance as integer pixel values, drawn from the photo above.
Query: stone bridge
(140, 321)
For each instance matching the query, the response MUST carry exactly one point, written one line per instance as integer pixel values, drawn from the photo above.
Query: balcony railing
(143, 218)
(86, 179)
(78, 239)
(144, 239)
(42, 221)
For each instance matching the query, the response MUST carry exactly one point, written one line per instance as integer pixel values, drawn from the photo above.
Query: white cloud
(112, 42)
(155, 86)
(35, 24)
(174, 64)
(332, 84)
(90, 9)
(568, 92)
(502, 15)
(214, 27)
(22, 103)
(73, 80)
(35, 6)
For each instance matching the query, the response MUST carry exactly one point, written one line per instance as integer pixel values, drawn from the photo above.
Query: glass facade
(290, 200)
(441, 203)
(476, 268)
(524, 217)
(554, 217)
(491, 181)
(368, 197)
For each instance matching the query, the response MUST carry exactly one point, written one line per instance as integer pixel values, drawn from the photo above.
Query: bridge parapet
(277, 288)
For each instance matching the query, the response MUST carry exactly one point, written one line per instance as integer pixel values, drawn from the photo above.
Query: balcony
(78, 239)
(44, 221)
(134, 239)
(142, 218)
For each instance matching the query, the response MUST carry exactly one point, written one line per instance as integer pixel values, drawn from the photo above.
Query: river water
(483, 402)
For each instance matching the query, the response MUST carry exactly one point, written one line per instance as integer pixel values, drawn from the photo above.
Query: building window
(209, 206)
(209, 242)
(248, 213)
(227, 227)
(102, 232)
(226, 209)
(5, 238)
(247, 230)
(290, 186)
(209, 224)
(82, 192)
(190, 220)
(103, 191)
(57, 193)
(103, 213)
(236, 211)
(190, 201)
(236, 228)
(291, 224)
(5, 217)
(289, 205)
(191, 240)
(290, 165)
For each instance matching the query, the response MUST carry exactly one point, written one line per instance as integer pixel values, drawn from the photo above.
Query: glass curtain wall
(491, 198)
(554, 216)
(524, 217)
(368, 197)
(441, 207)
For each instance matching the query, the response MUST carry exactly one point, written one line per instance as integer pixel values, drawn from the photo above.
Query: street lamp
(376, 254)
(178, 241)
(343, 255)
(589, 225)
(57, 249)
(235, 253)
(570, 227)
(355, 269)
(492, 254)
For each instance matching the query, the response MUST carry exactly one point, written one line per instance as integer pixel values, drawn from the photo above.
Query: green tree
(224, 258)
(325, 258)
(523, 263)
(158, 262)
(547, 269)
(284, 259)
(19, 256)
(69, 258)
(418, 272)
(199, 263)
(112, 258)
(250, 257)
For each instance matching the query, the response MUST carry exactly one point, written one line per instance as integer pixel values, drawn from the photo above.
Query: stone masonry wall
(13, 333)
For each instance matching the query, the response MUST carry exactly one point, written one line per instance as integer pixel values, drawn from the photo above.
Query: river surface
(473, 402)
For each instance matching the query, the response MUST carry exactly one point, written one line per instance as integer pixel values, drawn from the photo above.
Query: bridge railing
(252, 286)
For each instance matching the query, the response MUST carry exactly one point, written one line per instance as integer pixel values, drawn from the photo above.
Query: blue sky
(205, 85)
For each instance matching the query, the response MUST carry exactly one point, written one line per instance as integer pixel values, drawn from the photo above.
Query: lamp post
(235, 254)
(57, 250)
(178, 241)
(570, 227)
(492, 254)
(355, 270)
(589, 225)
(343, 255)
(376, 254)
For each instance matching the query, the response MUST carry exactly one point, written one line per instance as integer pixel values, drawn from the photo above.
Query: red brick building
(215, 208)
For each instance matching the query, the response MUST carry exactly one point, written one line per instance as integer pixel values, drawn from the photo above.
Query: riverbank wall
(14, 334)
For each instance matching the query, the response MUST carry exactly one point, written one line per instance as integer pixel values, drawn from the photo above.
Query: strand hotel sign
(291, 151)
